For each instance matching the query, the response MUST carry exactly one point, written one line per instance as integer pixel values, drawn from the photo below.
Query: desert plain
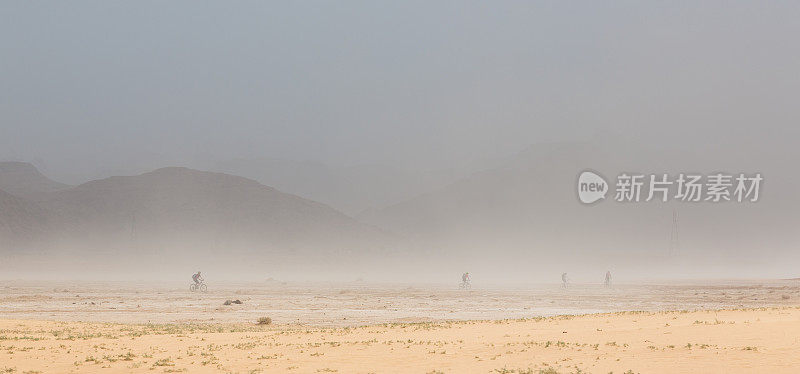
(357, 327)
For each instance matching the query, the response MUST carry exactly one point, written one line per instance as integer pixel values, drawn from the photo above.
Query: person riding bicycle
(197, 278)
(465, 278)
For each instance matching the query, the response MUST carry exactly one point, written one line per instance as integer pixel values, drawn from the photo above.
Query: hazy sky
(91, 86)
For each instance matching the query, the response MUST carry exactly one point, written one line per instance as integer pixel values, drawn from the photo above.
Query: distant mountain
(180, 205)
(527, 192)
(24, 180)
(178, 210)
(350, 189)
(21, 220)
(528, 208)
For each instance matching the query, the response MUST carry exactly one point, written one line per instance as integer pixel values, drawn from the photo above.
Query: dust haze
(403, 143)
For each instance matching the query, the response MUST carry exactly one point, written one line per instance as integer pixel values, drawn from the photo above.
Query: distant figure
(465, 281)
(197, 278)
(608, 278)
(564, 280)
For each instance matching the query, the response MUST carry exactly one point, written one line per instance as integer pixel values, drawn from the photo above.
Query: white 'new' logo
(591, 187)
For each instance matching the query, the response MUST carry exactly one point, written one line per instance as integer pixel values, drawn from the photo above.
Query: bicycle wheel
(203, 288)
(192, 287)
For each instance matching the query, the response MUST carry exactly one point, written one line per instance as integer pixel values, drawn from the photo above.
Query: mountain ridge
(183, 207)
(24, 180)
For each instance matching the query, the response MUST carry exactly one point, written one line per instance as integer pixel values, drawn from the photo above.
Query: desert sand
(356, 328)
(363, 303)
(730, 341)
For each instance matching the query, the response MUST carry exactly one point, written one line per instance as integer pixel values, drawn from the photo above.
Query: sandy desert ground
(359, 328)
(359, 303)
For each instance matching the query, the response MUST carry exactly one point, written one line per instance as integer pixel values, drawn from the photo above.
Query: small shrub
(265, 321)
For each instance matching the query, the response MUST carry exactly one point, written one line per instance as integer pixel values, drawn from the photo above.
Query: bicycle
(465, 285)
(202, 287)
